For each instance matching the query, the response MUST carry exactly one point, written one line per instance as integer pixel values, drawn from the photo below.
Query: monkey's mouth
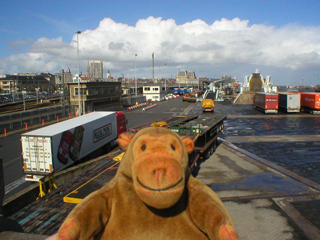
(157, 189)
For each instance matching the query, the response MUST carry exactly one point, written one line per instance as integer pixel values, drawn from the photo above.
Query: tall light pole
(152, 67)
(165, 81)
(135, 71)
(79, 96)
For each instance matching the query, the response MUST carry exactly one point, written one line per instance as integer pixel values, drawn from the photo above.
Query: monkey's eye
(173, 147)
(143, 147)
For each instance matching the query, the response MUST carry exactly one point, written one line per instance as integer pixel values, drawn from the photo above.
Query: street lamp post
(79, 96)
(135, 71)
(152, 67)
(165, 82)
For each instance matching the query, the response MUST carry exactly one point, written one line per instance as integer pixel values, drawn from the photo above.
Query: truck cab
(207, 105)
(192, 97)
(121, 122)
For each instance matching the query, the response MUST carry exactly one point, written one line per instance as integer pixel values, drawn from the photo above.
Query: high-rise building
(96, 70)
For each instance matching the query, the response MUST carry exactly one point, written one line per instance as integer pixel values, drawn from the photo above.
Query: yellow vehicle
(207, 105)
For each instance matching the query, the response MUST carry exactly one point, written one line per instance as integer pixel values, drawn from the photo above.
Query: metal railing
(21, 120)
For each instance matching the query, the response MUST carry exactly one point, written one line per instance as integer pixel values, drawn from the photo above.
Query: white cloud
(197, 45)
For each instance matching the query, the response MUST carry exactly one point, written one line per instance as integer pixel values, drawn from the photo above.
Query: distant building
(109, 77)
(63, 77)
(95, 70)
(153, 93)
(184, 76)
(27, 82)
(95, 96)
(82, 78)
(191, 75)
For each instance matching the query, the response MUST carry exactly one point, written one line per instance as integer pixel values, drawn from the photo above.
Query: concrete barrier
(149, 107)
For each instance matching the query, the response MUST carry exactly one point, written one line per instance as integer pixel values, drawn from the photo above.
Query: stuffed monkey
(153, 196)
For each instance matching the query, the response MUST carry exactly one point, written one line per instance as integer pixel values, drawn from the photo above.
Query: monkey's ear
(124, 140)
(188, 143)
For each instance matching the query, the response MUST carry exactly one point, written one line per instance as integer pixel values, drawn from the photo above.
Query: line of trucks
(289, 102)
(54, 148)
(207, 103)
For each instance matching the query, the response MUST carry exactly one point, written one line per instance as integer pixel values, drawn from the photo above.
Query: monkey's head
(157, 161)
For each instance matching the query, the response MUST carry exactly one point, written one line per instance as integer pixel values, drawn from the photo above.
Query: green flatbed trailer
(203, 130)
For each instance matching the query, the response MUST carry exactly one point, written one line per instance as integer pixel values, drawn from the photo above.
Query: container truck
(266, 102)
(289, 102)
(310, 102)
(176, 91)
(58, 146)
(184, 90)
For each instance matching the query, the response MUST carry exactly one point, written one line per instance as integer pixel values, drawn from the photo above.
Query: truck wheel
(107, 147)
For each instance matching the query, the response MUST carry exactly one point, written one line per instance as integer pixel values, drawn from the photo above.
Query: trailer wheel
(213, 147)
(211, 150)
(107, 147)
(207, 154)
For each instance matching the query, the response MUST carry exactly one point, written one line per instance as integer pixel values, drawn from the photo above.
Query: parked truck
(192, 97)
(310, 102)
(266, 102)
(203, 130)
(207, 105)
(289, 102)
(186, 97)
(58, 146)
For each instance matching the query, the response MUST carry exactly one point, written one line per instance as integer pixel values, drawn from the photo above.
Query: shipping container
(266, 102)
(289, 102)
(58, 146)
(310, 102)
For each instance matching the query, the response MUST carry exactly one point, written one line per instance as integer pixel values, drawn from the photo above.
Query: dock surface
(265, 170)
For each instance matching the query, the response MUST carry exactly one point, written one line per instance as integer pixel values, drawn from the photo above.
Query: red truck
(310, 102)
(266, 102)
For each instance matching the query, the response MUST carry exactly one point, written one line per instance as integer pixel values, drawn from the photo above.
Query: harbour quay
(265, 170)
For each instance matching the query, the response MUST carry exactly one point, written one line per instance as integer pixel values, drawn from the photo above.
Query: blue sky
(214, 38)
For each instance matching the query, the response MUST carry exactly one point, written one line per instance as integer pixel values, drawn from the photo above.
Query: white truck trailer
(289, 102)
(58, 146)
